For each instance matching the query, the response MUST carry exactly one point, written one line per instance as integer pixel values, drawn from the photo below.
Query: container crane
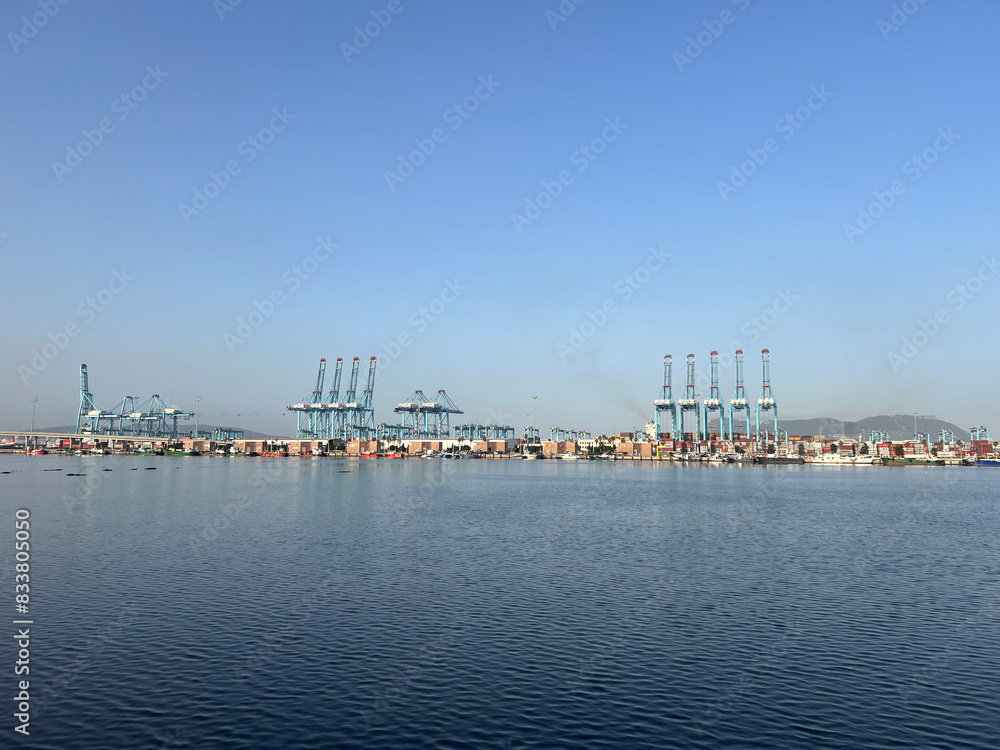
(350, 404)
(440, 410)
(713, 403)
(336, 413)
(310, 410)
(365, 422)
(91, 417)
(690, 401)
(739, 401)
(766, 401)
(665, 403)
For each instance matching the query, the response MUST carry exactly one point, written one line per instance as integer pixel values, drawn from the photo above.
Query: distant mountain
(899, 426)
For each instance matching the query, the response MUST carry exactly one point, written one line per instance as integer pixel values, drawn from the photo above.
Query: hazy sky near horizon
(528, 202)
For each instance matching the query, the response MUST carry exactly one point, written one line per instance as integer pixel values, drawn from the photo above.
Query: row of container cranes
(131, 417)
(560, 434)
(353, 416)
(349, 418)
(702, 413)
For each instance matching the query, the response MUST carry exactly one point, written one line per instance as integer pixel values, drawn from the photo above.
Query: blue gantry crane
(349, 405)
(739, 401)
(363, 421)
(92, 418)
(310, 411)
(411, 411)
(440, 411)
(427, 418)
(690, 401)
(350, 418)
(558, 433)
(470, 431)
(766, 401)
(335, 413)
(154, 417)
(713, 403)
(665, 403)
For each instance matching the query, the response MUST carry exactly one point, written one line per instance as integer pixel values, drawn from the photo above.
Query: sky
(527, 204)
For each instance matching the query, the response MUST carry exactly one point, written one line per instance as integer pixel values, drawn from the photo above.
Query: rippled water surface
(274, 603)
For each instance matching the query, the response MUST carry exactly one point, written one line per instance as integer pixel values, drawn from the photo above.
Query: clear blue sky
(886, 95)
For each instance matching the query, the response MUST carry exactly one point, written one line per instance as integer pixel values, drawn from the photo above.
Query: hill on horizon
(899, 426)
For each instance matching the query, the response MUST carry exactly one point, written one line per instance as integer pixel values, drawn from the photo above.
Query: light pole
(534, 429)
(34, 400)
(197, 411)
(238, 421)
(283, 425)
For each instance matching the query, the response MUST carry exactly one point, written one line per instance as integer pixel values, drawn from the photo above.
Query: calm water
(273, 603)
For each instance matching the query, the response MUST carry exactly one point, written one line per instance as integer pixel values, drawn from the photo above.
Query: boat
(569, 457)
(531, 456)
(36, 452)
(838, 460)
(778, 460)
(988, 462)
